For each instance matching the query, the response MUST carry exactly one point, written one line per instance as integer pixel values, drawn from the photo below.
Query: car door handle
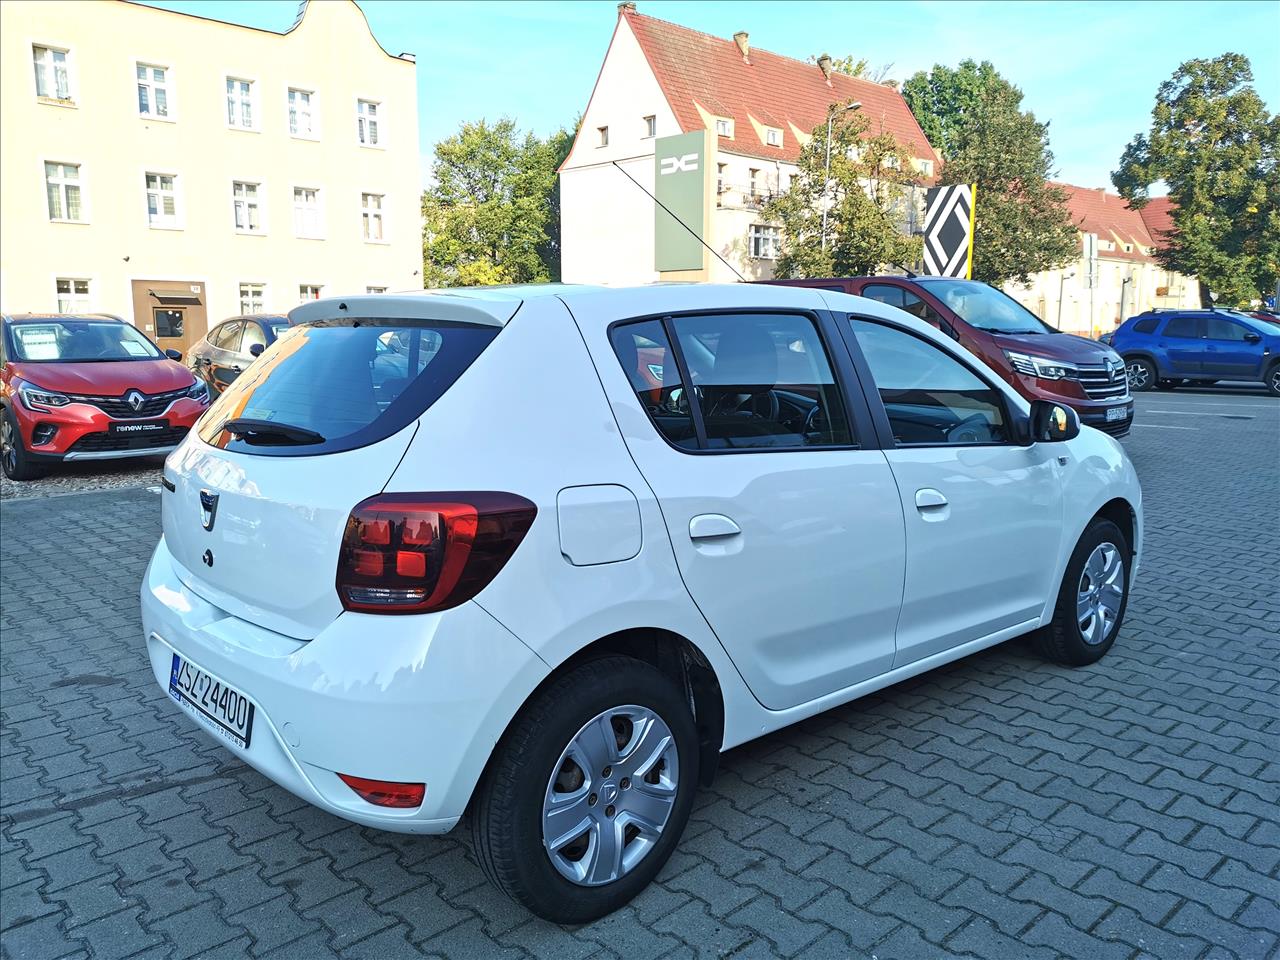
(928, 498)
(709, 526)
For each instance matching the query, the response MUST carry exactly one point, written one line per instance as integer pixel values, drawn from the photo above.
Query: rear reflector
(386, 793)
(423, 552)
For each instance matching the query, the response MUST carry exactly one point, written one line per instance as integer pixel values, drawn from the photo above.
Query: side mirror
(1053, 422)
(173, 354)
(256, 350)
(1252, 337)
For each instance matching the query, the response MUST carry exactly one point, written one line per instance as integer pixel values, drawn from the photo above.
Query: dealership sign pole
(948, 230)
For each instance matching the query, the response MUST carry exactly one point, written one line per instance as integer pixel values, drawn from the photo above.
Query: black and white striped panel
(948, 223)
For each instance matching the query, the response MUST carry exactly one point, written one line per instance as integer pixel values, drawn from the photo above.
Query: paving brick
(1194, 920)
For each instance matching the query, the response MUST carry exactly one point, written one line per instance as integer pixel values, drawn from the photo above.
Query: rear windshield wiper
(269, 432)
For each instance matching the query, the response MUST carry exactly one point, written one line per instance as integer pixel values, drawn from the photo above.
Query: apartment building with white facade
(660, 79)
(175, 170)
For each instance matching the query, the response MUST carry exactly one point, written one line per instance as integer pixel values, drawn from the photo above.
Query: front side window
(371, 215)
(68, 341)
(300, 116)
(244, 198)
(930, 397)
(367, 122)
(647, 360)
(153, 90)
(240, 103)
(252, 296)
(1184, 328)
(53, 76)
(62, 188)
(884, 292)
(162, 200)
(73, 295)
(308, 291)
(1220, 328)
(306, 213)
(765, 241)
(227, 336)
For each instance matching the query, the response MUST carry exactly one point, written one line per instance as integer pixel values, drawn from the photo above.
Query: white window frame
(260, 200)
(773, 136)
(727, 123)
(380, 212)
(76, 305)
(650, 127)
(80, 181)
(170, 90)
(257, 285)
(317, 287)
(255, 107)
(769, 239)
(362, 119)
(72, 98)
(178, 220)
(313, 110)
(602, 136)
(301, 231)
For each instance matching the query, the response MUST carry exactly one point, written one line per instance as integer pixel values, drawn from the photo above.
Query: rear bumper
(412, 699)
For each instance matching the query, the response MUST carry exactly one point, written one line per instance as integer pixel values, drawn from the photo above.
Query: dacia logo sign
(685, 164)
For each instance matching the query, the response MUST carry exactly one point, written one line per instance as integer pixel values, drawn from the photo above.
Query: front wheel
(1273, 380)
(14, 458)
(1092, 598)
(588, 792)
(1142, 374)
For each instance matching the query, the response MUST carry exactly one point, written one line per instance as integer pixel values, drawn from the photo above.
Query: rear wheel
(1273, 380)
(1142, 374)
(1092, 598)
(14, 458)
(588, 792)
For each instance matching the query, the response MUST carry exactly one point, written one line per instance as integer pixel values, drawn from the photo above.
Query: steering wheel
(973, 429)
(749, 404)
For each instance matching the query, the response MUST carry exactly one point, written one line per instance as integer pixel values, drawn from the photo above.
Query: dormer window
(724, 127)
(773, 136)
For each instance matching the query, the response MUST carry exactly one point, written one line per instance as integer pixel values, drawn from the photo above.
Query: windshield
(986, 307)
(69, 341)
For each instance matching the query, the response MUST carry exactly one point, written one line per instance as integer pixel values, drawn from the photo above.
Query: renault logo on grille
(208, 509)
(135, 399)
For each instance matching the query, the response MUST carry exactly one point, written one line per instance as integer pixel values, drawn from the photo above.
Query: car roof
(46, 317)
(253, 316)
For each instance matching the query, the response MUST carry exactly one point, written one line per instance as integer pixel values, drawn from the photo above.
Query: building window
(162, 201)
(62, 185)
(245, 199)
(367, 122)
(926, 167)
(53, 73)
(153, 90)
(724, 127)
(308, 291)
(375, 289)
(300, 116)
(240, 103)
(650, 126)
(720, 169)
(307, 221)
(765, 241)
(753, 184)
(73, 295)
(371, 214)
(773, 136)
(603, 134)
(252, 297)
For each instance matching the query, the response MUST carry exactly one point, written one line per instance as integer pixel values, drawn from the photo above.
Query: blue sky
(1091, 69)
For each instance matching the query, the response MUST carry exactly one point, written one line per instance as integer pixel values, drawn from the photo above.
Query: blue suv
(1167, 348)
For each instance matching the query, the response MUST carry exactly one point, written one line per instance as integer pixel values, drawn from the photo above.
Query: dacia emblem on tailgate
(208, 508)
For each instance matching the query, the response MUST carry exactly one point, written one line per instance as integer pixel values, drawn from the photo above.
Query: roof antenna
(681, 222)
(911, 274)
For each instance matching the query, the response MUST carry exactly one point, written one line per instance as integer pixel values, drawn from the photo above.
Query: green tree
(866, 203)
(973, 117)
(1215, 146)
(492, 214)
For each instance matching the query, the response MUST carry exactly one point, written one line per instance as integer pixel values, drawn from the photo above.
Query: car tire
(1272, 380)
(1169, 384)
(1142, 374)
(1092, 598)
(537, 761)
(14, 458)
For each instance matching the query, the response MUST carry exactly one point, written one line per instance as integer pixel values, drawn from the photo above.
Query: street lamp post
(826, 182)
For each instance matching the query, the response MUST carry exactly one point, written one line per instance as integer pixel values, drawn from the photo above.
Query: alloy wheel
(610, 795)
(1100, 593)
(1139, 376)
(7, 450)
(1275, 379)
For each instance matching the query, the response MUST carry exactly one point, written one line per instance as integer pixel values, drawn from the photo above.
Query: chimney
(744, 46)
(824, 64)
(627, 6)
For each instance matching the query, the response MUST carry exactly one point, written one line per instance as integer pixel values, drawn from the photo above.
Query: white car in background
(573, 543)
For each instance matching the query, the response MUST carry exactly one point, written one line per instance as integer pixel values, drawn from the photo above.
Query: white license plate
(1117, 413)
(223, 709)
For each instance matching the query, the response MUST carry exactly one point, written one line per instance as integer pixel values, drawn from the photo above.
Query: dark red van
(1040, 362)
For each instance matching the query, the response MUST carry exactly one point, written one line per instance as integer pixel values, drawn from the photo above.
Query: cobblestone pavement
(1000, 807)
(85, 476)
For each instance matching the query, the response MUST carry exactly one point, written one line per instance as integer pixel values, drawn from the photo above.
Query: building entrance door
(171, 312)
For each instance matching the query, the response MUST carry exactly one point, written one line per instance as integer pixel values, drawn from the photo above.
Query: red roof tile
(693, 67)
(1111, 218)
(1158, 216)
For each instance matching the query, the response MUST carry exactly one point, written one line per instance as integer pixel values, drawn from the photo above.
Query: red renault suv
(1037, 360)
(88, 388)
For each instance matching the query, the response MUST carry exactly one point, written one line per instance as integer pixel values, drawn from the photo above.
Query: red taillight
(417, 552)
(386, 793)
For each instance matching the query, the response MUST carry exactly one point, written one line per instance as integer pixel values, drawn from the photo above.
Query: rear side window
(227, 336)
(760, 381)
(649, 364)
(1185, 327)
(336, 385)
(1146, 325)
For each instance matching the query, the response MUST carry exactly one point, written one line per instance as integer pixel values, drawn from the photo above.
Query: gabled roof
(1111, 218)
(696, 69)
